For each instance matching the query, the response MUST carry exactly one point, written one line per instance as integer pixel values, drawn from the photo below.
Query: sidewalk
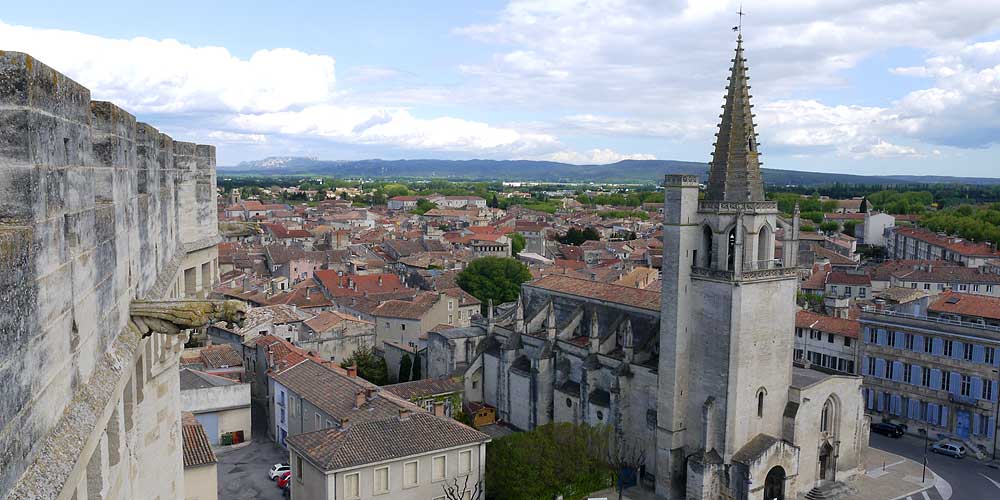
(890, 477)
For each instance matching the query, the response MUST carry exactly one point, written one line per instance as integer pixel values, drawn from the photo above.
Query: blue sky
(854, 86)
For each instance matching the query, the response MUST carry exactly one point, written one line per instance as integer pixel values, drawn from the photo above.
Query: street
(243, 472)
(969, 479)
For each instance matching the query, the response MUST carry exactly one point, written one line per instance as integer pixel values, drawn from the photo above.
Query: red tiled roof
(827, 324)
(197, 448)
(956, 245)
(220, 356)
(842, 278)
(356, 284)
(635, 297)
(978, 306)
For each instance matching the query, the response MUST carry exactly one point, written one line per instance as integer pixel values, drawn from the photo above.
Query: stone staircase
(830, 491)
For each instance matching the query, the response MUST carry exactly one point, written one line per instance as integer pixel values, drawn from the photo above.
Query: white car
(276, 470)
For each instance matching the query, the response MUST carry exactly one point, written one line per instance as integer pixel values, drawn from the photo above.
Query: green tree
(423, 205)
(849, 227)
(829, 227)
(417, 372)
(517, 243)
(576, 237)
(391, 190)
(405, 367)
(370, 367)
(553, 459)
(497, 278)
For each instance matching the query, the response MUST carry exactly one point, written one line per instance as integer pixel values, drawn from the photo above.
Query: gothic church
(701, 375)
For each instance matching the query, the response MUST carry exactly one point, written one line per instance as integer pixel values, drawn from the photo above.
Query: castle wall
(95, 211)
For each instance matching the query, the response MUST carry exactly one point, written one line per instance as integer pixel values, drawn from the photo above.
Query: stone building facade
(96, 211)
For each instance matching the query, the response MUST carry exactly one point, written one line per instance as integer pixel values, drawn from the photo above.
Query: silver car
(949, 448)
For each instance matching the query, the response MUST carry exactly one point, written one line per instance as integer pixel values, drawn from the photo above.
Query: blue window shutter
(914, 408)
(977, 388)
(937, 346)
(871, 399)
(915, 374)
(897, 371)
(881, 403)
(935, 379)
(978, 353)
(880, 368)
(975, 424)
(944, 416)
(897, 404)
(918, 343)
(993, 384)
(956, 383)
(864, 365)
(932, 413)
(992, 427)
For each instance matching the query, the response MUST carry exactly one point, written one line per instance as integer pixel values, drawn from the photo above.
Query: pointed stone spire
(734, 173)
(595, 333)
(519, 316)
(550, 322)
(627, 341)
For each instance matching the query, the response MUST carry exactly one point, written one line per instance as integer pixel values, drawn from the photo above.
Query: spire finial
(739, 27)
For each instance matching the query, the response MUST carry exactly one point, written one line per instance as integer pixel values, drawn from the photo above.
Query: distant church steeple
(734, 173)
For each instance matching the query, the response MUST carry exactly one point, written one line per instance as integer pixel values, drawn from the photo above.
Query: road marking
(926, 496)
(988, 478)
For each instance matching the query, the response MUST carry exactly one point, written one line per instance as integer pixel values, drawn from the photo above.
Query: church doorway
(827, 463)
(774, 484)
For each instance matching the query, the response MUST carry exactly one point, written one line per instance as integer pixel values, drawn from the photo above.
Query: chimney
(344, 423)
(359, 398)
(438, 409)
(404, 414)
(352, 371)
(380, 280)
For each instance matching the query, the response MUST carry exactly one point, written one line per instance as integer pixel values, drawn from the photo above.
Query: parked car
(949, 448)
(284, 478)
(887, 429)
(277, 470)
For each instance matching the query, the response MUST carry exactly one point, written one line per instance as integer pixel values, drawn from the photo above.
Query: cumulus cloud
(277, 91)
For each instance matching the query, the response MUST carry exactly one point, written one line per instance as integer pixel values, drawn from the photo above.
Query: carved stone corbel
(171, 317)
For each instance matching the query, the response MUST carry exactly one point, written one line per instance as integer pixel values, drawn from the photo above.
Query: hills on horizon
(625, 171)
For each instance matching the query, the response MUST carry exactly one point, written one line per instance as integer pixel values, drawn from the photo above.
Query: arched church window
(828, 416)
(706, 234)
(760, 402)
(731, 261)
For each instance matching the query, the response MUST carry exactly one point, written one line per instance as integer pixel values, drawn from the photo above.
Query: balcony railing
(766, 270)
(736, 206)
(931, 319)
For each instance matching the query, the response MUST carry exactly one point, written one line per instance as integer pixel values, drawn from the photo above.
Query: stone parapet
(96, 209)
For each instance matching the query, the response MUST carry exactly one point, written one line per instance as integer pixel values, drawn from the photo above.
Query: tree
(829, 227)
(576, 237)
(417, 372)
(497, 278)
(517, 243)
(370, 367)
(423, 206)
(849, 227)
(452, 491)
(493, 202)
(405, 367)
(625, 462)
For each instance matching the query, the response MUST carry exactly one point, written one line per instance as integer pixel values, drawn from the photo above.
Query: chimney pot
(359, 399)
(352, 371)
(439, 409)
(404, 414)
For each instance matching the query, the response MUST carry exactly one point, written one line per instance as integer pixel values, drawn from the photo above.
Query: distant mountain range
(627, 171)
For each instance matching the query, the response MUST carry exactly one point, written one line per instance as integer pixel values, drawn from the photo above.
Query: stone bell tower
(727, 305)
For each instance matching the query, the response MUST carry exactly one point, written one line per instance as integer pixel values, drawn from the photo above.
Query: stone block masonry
(96, 210)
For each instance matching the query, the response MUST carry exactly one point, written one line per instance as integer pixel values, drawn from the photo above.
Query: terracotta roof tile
(197, 448)
(635, 297)
(977, 306)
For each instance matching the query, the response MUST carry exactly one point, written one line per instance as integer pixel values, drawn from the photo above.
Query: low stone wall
(95, 210)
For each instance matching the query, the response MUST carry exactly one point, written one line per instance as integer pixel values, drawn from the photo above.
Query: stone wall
(95, 210)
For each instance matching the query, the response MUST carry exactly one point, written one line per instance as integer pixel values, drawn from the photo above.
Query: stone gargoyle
(171, 317)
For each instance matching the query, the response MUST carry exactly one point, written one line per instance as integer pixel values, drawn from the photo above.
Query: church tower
(727, 306)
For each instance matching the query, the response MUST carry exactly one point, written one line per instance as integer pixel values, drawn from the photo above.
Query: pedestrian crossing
(928, 494)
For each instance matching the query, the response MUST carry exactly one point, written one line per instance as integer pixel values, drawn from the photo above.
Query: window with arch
(760, 402)
(827, 416)
(731, 260)
(706, 235)
(763, 246)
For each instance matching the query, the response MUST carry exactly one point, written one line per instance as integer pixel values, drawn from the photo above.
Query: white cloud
(167, 76)
(595, 157)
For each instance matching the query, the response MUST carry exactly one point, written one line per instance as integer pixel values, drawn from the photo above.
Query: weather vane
(739, 27)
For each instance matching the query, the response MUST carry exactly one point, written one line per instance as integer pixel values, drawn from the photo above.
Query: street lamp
(923, 475)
